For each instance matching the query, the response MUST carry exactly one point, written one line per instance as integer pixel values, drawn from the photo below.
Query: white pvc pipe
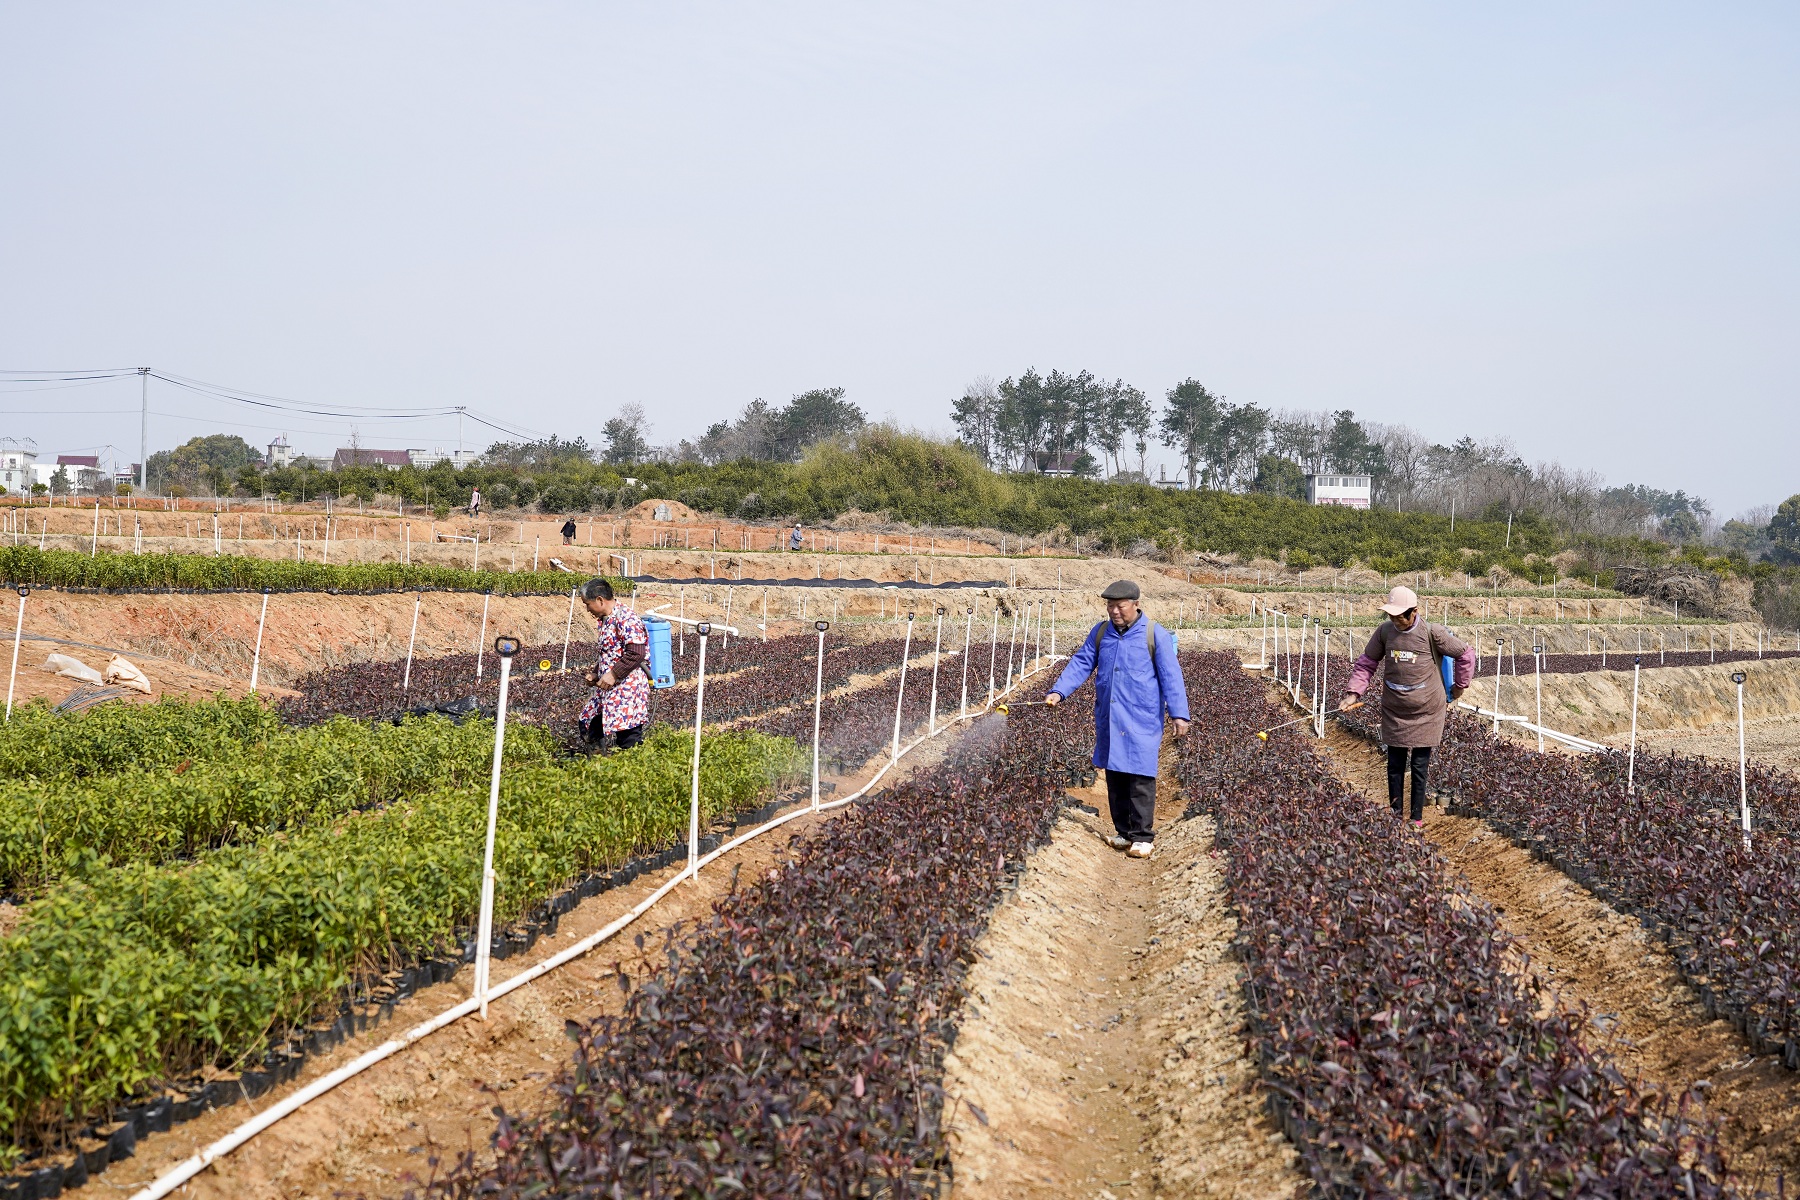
(968, 632)
(94, 550)
(818, 706)
(1631, 758)
(1012, 638)
(406, 680)
(18, 635)
(568, 628)
(256, 658)
(900, 694)
(936, 648)
(1537, 655)
(1743, 776)
(993, 650)
(505, 648)
(1499, 658)
(694, 793)
(481, 638)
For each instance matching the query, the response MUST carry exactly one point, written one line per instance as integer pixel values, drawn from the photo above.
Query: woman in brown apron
(1413, 704)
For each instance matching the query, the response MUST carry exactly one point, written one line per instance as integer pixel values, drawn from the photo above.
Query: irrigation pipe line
(185, 1170)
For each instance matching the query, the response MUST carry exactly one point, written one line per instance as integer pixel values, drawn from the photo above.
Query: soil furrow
(1102, 1050)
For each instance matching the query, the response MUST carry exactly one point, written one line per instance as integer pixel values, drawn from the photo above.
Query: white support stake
(568, 628)
(900, 695)
(18, 634)
(1631, 758)
(1537, 655)
(256, 659)
(505, 647)
(693, 867)
(993, 651)
(411, 641)
(481, 638)
(1499, 657)
(1743, 775)
(937, 647)
(968, 632)
(818, 705)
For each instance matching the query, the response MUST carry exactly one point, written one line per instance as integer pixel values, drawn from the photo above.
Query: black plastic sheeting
(827, 583)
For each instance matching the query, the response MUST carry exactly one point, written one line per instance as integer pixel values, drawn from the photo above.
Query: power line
(53, 376)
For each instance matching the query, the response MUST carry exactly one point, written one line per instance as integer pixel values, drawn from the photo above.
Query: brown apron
(1413, 703)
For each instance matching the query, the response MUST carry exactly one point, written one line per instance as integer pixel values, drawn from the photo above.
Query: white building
(1350, 491)
(426, 459)
(281, 453)
(17, 457)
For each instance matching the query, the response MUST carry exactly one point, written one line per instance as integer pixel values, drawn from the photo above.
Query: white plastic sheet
(124, 673)
(74, 668)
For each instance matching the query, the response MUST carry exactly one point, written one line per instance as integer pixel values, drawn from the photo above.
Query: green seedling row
(109, 571)
(171, 789)
(143, 974)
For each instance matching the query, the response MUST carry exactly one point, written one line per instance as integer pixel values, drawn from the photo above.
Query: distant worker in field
(475, 502)
(568, 532)
(1137, 680)
(620, 705)
(795, 541)
(1413, 703)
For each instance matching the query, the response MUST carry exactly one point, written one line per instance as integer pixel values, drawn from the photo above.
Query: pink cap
(1400, 600)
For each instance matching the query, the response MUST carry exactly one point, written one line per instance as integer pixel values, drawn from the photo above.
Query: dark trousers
(1421, 763)
(1132, 799)
(624, 739)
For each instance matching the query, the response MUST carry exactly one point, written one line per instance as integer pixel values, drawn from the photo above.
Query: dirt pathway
(1638, 1007)
(1102, 1052)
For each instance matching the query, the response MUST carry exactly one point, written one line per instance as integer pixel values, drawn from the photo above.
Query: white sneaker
(1141, 849)
(1117, 842)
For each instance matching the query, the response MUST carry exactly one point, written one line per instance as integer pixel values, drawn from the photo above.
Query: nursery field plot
(1404, 1052)
(796, 1042)
(1623, 981)
(396, 1122)
(436, 1100)
(145, 983)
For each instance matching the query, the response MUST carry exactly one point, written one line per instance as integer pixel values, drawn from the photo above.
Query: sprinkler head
(1001, 709)
(543, 664)
(1262, 735)
(821, 626)
(506, 647)
(1737, 677)
(703, 628)
(24, 591)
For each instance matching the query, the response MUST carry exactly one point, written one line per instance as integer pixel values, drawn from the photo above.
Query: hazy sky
(1571, 224)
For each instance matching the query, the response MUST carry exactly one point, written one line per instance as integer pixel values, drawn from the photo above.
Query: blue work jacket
(1130, 697)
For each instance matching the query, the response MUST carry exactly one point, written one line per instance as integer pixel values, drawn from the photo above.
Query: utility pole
(144, 431)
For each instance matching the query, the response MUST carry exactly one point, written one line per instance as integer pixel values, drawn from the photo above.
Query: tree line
(1076, 423)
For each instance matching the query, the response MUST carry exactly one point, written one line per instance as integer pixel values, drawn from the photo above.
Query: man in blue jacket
(1137, 680)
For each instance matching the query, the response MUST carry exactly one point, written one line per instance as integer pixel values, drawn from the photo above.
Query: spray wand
(1263, 734)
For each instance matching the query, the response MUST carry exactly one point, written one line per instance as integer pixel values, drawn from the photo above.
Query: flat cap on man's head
(1120, 589)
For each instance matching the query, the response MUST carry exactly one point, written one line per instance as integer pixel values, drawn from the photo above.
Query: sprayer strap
(1150, 637)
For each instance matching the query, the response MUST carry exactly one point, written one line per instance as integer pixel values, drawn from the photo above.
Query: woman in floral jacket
(621, 699)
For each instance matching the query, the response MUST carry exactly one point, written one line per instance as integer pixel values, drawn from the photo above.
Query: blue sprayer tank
(662, 661)
(1446, 665)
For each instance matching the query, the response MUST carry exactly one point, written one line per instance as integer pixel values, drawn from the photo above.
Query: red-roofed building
(83, 470)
